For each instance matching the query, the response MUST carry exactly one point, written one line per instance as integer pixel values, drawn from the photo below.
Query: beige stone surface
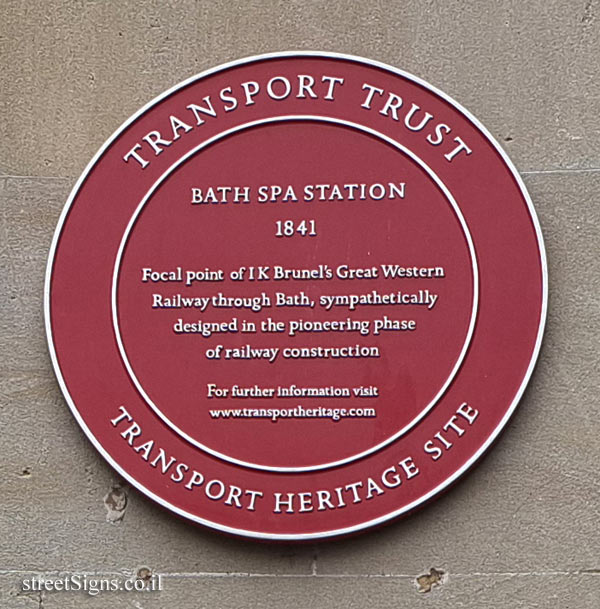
(73, 71)
(461, 591)
(521, 530)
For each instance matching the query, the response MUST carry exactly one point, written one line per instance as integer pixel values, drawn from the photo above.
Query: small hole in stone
(427, 581)
(144, 573)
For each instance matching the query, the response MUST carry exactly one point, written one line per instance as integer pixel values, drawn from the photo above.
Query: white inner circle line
(232, 131)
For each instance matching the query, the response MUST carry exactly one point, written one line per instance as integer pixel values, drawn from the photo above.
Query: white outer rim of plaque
(270, 121)
(390, 515)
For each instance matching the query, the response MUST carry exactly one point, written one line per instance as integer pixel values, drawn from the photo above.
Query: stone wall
(521, 530)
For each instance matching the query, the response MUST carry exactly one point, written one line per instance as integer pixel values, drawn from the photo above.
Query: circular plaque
(296, 296)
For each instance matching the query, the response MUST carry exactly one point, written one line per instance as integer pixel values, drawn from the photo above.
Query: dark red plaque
(296, 296)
